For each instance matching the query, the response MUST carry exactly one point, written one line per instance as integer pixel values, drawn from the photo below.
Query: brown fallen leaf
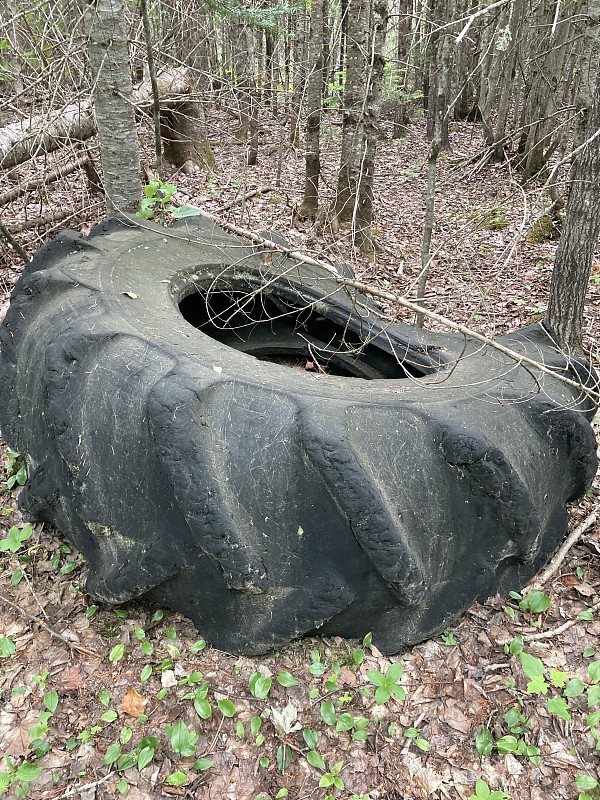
(347, 676)
(586, 589)
(70, 680)
(133, 703)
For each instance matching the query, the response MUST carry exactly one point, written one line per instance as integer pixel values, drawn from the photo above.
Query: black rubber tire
(267, 502)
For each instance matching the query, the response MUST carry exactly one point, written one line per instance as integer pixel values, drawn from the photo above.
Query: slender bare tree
(314, 98)
(578, 240)
(367, 24)
(113, 106)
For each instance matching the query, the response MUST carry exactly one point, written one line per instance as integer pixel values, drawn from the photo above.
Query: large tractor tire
(235, 435)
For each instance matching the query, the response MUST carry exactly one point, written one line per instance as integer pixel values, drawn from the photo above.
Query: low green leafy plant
(158, 203)
(18, 778)
(331, 779)
(317, 667)
(13, 544)
(388, 684)
(483, 792)
(259, 685)
(16, 469)
(183, 740)
(39, 745)
(449, 639)
(422, 744)
(7, 647)
(286, 679)
(358, 654)
(485, 744)
(358, 726)
(15, 539)
(587, 784)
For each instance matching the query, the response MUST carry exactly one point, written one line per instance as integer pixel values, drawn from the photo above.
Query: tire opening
(275, 328)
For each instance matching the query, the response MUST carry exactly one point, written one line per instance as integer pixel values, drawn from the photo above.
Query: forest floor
(120, 698)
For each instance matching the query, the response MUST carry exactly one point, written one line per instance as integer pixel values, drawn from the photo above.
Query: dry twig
(47, 628)
(560, 556)
(551, 633)
(13, 242)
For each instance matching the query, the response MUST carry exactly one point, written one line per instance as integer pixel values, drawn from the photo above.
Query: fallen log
(49, 219)
(29, 186)
(44, 133)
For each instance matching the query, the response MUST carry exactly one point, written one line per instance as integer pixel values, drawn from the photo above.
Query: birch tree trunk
(115, 116)
(578, 240)
(44, 133)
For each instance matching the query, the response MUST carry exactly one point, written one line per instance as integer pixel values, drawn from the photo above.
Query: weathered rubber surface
(268, 502)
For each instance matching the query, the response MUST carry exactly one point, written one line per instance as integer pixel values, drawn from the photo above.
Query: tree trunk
(439, 72)
(44, 133)
(314, 97)
(353, 142)
(184, 134)
(401, 118)
(578, 240)
(545, 85)
(115, 116)
(510, 55)
(252, 90)
(242, 68)
(343, 41)
(270, 70)
(439, 131)
(371, 132)
(299, 73)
